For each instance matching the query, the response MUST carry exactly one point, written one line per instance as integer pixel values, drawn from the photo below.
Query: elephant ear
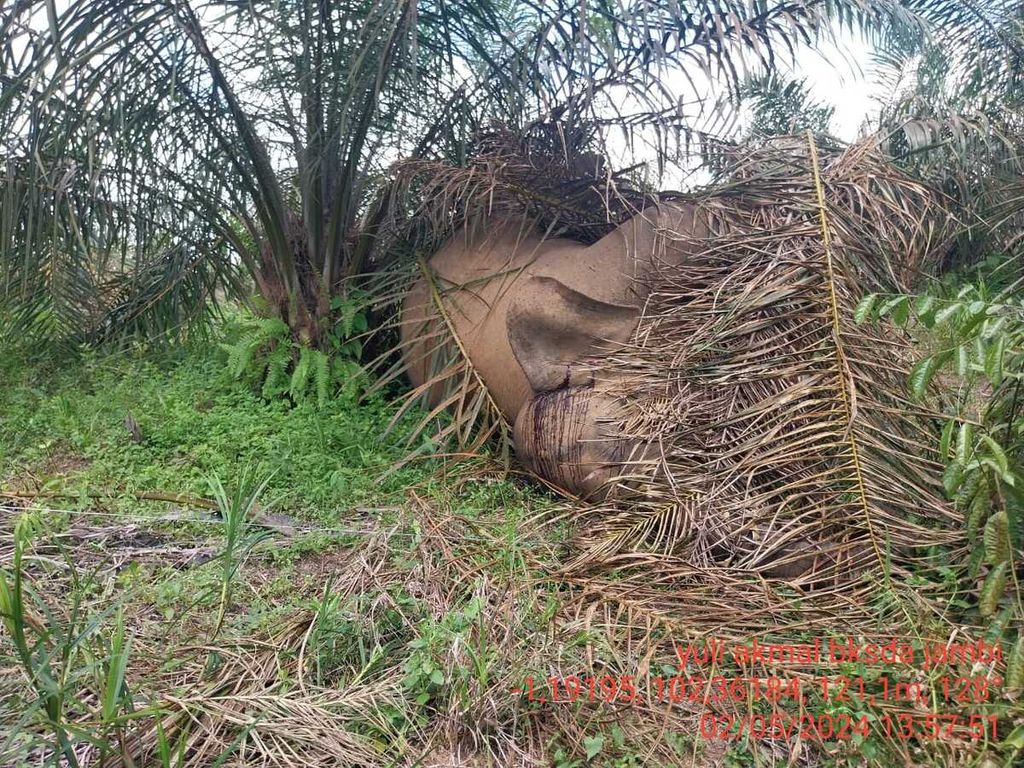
(552, 327)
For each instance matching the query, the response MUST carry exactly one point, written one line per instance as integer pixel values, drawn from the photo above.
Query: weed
(61, 652)
(239, 539)
(264, 354)
(36, 645)
(63, 431)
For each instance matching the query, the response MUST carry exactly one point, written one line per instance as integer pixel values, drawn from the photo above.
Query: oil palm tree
(952, 111)
(158, 153)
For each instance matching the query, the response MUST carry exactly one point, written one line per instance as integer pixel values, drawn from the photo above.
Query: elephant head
(699, 370)
(535, 316)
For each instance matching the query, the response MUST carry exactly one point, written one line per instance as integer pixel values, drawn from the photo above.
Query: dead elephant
(697, 373)
(535, 316)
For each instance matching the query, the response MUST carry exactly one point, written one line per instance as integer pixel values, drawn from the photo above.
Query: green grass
(426, 594)
(207, 436)
(64, 427)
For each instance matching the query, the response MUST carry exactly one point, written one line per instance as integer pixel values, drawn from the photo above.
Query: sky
(839, 74)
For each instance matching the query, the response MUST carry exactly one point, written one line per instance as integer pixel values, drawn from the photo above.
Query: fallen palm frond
(785, 485)
(251, 713)
(775, 435)
(783, 440)
(473, 586)
(776, 439)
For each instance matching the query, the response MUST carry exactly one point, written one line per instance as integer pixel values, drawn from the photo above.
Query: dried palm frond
(774, 434)
(244, 709)
(552, 173)
(777, 435)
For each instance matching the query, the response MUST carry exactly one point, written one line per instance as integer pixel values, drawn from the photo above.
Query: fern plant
(264, 353)
(974, 337)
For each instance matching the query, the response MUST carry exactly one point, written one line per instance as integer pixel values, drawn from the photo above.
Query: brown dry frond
(253, 711)
(484, 595)
(780, 436)
(255, 700)
(777, 435)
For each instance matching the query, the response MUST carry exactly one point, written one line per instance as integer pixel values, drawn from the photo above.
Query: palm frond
(782, 439)
(951, 110)
(304, 108)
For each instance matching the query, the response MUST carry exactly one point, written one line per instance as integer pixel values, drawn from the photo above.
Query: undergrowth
(971, 335)
(262, 352)
(328, 602)
(70, 428)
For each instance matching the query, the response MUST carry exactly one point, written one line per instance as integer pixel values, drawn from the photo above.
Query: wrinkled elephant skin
(534, 316)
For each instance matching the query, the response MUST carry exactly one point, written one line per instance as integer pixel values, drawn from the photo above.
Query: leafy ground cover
(386, 612)
(194, 575)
